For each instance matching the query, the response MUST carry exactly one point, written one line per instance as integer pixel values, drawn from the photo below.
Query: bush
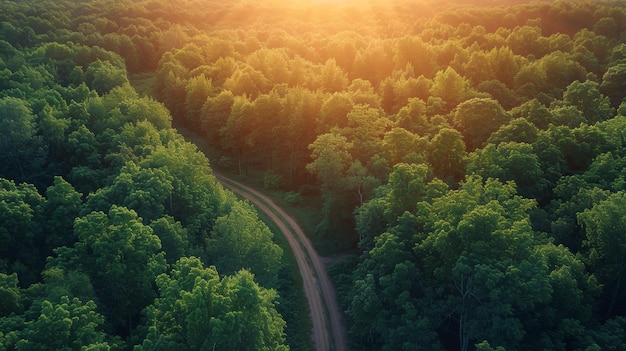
(272, 180)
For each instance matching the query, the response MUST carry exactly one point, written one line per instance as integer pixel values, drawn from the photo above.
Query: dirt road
(328, 330)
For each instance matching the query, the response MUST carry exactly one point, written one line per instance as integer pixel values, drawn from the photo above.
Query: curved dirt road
(328, 330)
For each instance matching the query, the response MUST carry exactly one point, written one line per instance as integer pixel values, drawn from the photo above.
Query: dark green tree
(477, 119)
(479, 260)
(10, 295)
(22, 152)
(586, 96)
(21, 224)
(446, 154)
(510, 161)
(612, 84)
(603, 224)
(147, 191)
(63, 204)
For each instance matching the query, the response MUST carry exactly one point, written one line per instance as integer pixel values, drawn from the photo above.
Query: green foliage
(9, 295)
(450, 86)
(477, 269)
(447, 155)
(510, 161)
(22, 154)
(586, 97)
(21, 212)
(479, 251)
(407, 186)
(477, 119)
(613, 83)
(239, 240)
(173, 236)
(62, 205)
(602, 224)
(122, 258)
(144, 190)
(198, 310)
(331, 159)
(517, 130)
(68, 325)
(197, 199)
(102, 76)
(293, 198)
(272, 180)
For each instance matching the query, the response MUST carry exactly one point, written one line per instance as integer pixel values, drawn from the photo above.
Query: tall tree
(586, 96)
(603, 224)
(450, 86)
(121, 256)
(331, 159)
(22, 152)
(198, 310)
(62, 206)
(102, 76)
(446, 154)
(407, 183)
(477, 119)
(510, 161)
(68, 325)
(479, 254)
(21, 224)
(613, 84)
(145, 190)
(401, 146)
(240, 240)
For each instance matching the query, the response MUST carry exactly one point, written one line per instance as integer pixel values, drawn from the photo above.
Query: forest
(465, 159)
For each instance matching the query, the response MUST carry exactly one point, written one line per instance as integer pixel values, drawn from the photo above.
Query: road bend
(328, 330)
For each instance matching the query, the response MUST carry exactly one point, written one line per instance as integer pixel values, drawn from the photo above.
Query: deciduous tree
(198, 310)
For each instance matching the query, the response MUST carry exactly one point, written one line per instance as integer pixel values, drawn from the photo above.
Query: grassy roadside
(144, 83)
(307, 213)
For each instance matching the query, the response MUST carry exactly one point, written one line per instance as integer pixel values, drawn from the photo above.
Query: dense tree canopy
(469, 154)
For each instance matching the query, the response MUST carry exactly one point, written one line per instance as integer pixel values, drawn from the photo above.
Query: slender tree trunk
(463, 339)
(463, 287)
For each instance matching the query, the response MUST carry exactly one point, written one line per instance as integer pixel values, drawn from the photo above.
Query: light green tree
(69, 325)
(198, 310)
(331, 159)
(103, 76)
(240, 240)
